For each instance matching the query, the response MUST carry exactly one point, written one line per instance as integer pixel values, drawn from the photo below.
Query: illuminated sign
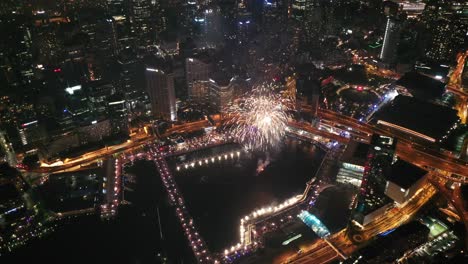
(118, 102)
(71, 90)
(154, 70)
(286, 242)
(29, 123)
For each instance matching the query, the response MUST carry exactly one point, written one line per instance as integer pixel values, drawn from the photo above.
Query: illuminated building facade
(352, 163)
(160, 87)
(140, 22)
(94, 131)
(31, 132)
(388, 52)
(218, 95)
(403, 181)
(371, 200)
(196, 69)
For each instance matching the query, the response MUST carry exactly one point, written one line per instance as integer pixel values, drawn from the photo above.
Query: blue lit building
(314, 223)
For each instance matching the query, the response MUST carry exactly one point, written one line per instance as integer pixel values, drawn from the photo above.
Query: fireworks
(259, 119)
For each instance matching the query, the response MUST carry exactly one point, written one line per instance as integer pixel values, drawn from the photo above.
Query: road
(111, 187)
(92, 156)
(407, 149)
(321, 252)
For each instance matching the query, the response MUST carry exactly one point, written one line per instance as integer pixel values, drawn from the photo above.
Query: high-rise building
(117, 7)
(211, 25)
(388, 53)
(127, 77)
(140, 23)
(189, 17)
(15, 51)
(218, 92)
(403, 181)
(118, 114)
(99, 94)
(31, 132)
(197, 68)
(300, 9)
(371, 200)
(160, 87)
(447, 25)
(102, 44)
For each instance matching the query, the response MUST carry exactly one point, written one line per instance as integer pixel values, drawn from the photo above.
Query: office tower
(160, 87)
(128, 66)
(99, 94)
(371, 200)
(117, 7)
(388, 53)
(16, 68)
(118, 114)
(31, 132)
(102, 41)
(197, 68)
(140, 23)
(300, 9)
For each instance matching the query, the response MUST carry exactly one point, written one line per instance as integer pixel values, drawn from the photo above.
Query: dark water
(219, 194)
(133, 237)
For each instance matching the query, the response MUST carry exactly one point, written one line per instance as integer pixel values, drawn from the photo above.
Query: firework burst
(259, 119)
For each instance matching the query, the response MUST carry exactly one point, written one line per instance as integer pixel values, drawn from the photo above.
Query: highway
(111, 187)
(407, 149)
(321, 252)
(92, 156)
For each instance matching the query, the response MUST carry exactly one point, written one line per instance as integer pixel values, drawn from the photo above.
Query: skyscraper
(197, 68)
(392, 33)
(300, 8)
(117, 7)
(15, 51)
(371, 200)
(160, 87)
(140, 15)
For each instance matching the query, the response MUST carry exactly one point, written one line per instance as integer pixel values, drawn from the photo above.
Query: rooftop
(419, 116)
(404, 174)
(354, 74)
(421, 86)
(355, 153)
